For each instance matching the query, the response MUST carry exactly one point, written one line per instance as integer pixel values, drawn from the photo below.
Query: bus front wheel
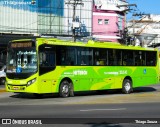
(127, 86)
(64, 90)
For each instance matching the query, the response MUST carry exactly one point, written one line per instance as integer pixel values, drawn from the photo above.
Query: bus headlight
(31, 82)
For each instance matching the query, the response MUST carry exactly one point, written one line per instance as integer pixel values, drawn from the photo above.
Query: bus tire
(127, 86)
(64, 90)
(71, 90)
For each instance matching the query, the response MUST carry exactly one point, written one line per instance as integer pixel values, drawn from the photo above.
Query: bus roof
(90, 43)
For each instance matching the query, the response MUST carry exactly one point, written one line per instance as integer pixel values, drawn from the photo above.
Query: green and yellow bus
(51, 65)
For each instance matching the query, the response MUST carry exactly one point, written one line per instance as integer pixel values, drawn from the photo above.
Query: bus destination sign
(21, 45)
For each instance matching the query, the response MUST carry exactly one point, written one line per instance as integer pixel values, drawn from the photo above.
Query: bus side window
(82, 62)
(65, 55)
(151, 58)
(110, 57)
(84, 56)
(68, 61)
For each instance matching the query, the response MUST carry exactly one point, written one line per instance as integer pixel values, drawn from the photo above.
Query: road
(111, 107)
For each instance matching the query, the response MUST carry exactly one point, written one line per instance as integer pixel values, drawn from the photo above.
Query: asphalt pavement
(142, 105)
(140, 95)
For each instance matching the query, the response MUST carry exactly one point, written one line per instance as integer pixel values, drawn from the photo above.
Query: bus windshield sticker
(19, 70)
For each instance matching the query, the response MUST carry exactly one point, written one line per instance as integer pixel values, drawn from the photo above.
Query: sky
(144, 6)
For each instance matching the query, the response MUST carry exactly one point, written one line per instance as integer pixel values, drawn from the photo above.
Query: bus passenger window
(111, 57)
(82, 62)
(65, 55)
(127, 58)
(151, 58)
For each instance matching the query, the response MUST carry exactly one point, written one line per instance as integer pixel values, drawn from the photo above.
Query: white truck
(3, 75)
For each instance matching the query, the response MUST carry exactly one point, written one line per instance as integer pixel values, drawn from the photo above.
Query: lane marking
(116, 109)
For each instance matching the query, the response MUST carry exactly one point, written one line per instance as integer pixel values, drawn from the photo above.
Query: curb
(2, 90)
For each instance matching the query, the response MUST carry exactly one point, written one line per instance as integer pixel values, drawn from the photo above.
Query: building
(18, 19)
(44, 17)
(108, 19)
(101, 19)
(146, 30)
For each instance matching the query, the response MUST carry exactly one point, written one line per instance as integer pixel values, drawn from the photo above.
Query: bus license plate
(16, 88)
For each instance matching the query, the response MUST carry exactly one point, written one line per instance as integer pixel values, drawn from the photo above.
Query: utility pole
(74, 3)
(127, 8)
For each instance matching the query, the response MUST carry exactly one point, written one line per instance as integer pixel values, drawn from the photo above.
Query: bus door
(46, 67)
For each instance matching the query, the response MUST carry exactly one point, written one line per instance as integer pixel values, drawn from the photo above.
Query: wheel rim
(127, 86)
(65, 89)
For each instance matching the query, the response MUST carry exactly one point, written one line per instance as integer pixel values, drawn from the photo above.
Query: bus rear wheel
(64, 89)
(127, 86)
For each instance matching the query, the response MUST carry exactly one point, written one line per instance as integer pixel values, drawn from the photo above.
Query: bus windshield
(22, 60)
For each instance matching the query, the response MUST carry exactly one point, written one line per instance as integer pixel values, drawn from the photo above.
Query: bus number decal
(123, 72)
(117, 73)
